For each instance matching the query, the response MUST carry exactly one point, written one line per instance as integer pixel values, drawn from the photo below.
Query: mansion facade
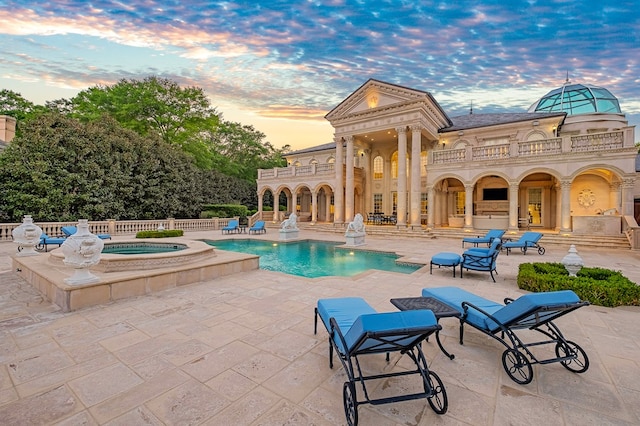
(568, 164)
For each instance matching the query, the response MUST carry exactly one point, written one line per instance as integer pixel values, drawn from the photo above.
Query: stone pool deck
(240, 350)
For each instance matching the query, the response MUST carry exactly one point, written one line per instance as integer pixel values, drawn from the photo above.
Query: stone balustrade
(123, 227)
(556, 146)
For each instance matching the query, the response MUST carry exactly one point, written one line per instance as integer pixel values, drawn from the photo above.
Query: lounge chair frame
(517, 359)
(386, 342)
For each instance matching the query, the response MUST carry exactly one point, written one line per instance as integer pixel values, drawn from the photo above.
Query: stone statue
(291, 223)
(357, 226)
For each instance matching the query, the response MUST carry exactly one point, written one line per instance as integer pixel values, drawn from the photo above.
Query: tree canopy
(62, 169)
(136, 149)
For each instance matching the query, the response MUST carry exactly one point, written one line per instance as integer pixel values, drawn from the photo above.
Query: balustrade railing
(542, 147)
(309, 170)
(123, 227)
(491, 152)
(597, 142)
(450, 156)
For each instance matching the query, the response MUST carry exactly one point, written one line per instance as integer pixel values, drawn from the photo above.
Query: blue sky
(282, 65)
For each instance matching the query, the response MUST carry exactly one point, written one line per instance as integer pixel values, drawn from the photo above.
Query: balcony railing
(581, 143)
(325, 169)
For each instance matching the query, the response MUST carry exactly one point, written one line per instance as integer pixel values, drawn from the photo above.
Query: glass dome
(577, 99)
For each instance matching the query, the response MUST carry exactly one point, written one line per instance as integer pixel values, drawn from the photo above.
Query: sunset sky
(281, 66)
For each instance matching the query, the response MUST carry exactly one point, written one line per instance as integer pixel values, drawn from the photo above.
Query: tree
(15, 105)
(179, 116)
(62, 169)
(239, 150)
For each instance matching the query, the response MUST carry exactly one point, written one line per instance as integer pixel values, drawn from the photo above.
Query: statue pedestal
(355, 238)
(288, 234)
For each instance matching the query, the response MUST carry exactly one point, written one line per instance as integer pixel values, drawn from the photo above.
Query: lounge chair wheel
(438, 399)
(517, 366)
(578, 365)
(540, 250)
(350, 403)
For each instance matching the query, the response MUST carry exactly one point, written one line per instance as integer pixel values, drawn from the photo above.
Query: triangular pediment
(375, 94)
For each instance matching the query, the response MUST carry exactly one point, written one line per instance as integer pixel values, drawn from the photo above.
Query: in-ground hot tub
(137, 255)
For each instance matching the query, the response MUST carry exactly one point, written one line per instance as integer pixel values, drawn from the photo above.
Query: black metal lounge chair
(486, 239)
(535, 311)
(356, 329)
(528, 240)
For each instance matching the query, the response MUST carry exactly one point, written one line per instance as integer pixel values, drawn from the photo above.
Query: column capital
(348, 138)
(416, 127)
(628, 182)
(468, 186)
(402, 129)
(565, 183)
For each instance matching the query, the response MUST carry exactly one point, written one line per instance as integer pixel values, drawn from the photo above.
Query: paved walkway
(240, 350)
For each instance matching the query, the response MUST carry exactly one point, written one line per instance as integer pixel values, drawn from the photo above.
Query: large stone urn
(82, 251)
(27, 236)
(572, 261)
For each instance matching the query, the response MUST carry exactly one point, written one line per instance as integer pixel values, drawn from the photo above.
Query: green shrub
(160, 234)
(599, 286)
(224, 210)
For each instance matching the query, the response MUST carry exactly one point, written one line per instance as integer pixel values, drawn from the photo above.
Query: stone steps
(550, 237)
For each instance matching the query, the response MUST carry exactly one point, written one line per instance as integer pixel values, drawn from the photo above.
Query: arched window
(314, 161)
(378, 167)
(331, 160)
(297, 164)
(394, 165)
(423, 163)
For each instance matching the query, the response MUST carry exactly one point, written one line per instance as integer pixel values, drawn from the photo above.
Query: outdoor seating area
(164, 358)
(356, 329)
(381, 219)
(535, 312)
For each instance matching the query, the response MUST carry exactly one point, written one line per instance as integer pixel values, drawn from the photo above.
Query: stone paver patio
(240, 350)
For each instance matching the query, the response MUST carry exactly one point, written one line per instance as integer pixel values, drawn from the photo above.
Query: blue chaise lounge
(232, 226)
(487, 239)
(356, 329)
(258, 228)
(528, 240)
(535, 311)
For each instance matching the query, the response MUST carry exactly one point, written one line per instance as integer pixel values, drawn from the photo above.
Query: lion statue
(291, 223)
(357, 226)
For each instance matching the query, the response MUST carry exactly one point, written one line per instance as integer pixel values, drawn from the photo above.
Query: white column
(402, 176)
(338, 195)
(260, 201)
(349, 189)
(430, 207)
(565, 222)
(416, 142)
(468, 207)
(514, 189)
(327, 205)
(276, 206)
(314, 206)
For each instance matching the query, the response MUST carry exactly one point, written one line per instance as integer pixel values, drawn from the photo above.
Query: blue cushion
(345, 310)
(446, 259)
(532, 302)
(528, 239)
(454, 297)
(397, 323)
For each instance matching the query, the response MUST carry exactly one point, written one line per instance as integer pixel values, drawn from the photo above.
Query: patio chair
(482, 259)
(232, 226)
(487, 239)
(356, 329)
(528, 239)
(535, 311)
(258, 228)
(70, 230)
(46, 240)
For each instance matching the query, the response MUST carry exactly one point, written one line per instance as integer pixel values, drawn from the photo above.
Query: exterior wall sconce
(536, 123)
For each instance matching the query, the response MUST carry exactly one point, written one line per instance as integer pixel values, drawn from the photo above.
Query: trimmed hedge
(160, 234)
(223, 210)
(599, 286)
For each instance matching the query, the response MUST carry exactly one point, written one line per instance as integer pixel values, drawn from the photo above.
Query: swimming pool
(309, 258)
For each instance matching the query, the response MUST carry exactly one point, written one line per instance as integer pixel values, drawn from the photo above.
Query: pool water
(141, 248)
(314, 259)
